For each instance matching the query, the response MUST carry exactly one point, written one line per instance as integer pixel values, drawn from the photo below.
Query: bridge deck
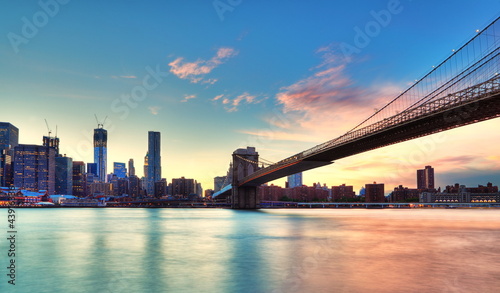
(471, 105)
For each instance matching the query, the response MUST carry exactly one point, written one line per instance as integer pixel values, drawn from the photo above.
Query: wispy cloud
(187, 98)
(216, 98)
(231, 103)
(154, 109)
(123, 76)
(196, 71)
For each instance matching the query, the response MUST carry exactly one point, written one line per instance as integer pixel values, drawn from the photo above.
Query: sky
(214, 76)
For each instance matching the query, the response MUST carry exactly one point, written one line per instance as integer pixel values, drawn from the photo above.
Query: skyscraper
(52, 142)
(100, 152)
(9, 135)
(131, 168)
(34, 168)
(78, 178)
(92, 169)
(219, 183)
(295, 180)
(9, 138)
(425, 178)
(154, 161)
(120, 170)
(64, 176)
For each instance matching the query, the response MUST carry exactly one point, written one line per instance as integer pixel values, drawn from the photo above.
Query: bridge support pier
(245, 162)
(245, 198)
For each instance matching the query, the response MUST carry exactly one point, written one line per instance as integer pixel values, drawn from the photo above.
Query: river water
(218, 250)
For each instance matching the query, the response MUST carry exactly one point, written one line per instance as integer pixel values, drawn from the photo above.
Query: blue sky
(222, 79)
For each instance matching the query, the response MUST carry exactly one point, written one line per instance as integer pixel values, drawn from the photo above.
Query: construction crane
(48, 128)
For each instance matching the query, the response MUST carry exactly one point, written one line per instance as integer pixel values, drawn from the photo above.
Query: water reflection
(175, 250)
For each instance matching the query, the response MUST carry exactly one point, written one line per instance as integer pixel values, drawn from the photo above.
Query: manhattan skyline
(212, 84)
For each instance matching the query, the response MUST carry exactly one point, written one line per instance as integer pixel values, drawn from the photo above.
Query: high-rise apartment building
(34, 168)
(154, 161)
(100, 152)
(425, 178)
(374, 192)
(183, 187)
(294, 180)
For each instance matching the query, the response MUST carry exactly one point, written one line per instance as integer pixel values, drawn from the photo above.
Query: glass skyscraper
(64, 175)
(154, 161)
(9, 135)
(120, 170)
(100, 152)
(295, 180)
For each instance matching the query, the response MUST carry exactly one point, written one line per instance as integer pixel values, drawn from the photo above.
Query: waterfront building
(134, 186)
(9, 138)
(374, 192)
(154, 160)
(51, 142)
(101, 152)
(183, 187)
(402, 194)
(34, 168)
(6, 168)
(219, 182)
(92, 169)
(208, 193)
(131, 168)
(64, 175)
(160, 188)
(120, 170)
(462, 194)
(294, 180)
(425, 178)
(100, 188)
(343, 192)
(78, 178)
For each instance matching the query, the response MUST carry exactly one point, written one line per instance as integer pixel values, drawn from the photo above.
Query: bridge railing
(477, 92)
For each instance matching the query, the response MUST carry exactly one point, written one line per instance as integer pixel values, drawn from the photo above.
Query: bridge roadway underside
(462, 115)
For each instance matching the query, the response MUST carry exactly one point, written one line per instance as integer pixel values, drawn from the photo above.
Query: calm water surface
(213, 250)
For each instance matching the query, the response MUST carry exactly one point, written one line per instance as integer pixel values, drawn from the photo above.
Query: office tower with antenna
(101, 149)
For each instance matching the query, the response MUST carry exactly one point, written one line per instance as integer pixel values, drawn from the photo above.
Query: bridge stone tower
(245, 162)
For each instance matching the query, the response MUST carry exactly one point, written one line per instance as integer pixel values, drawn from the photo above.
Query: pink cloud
(195, 71)
(234, 102)
(187, 98)
(216, 98)
(328, 102)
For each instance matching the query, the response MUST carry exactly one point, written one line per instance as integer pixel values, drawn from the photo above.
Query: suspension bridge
(462, 90)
